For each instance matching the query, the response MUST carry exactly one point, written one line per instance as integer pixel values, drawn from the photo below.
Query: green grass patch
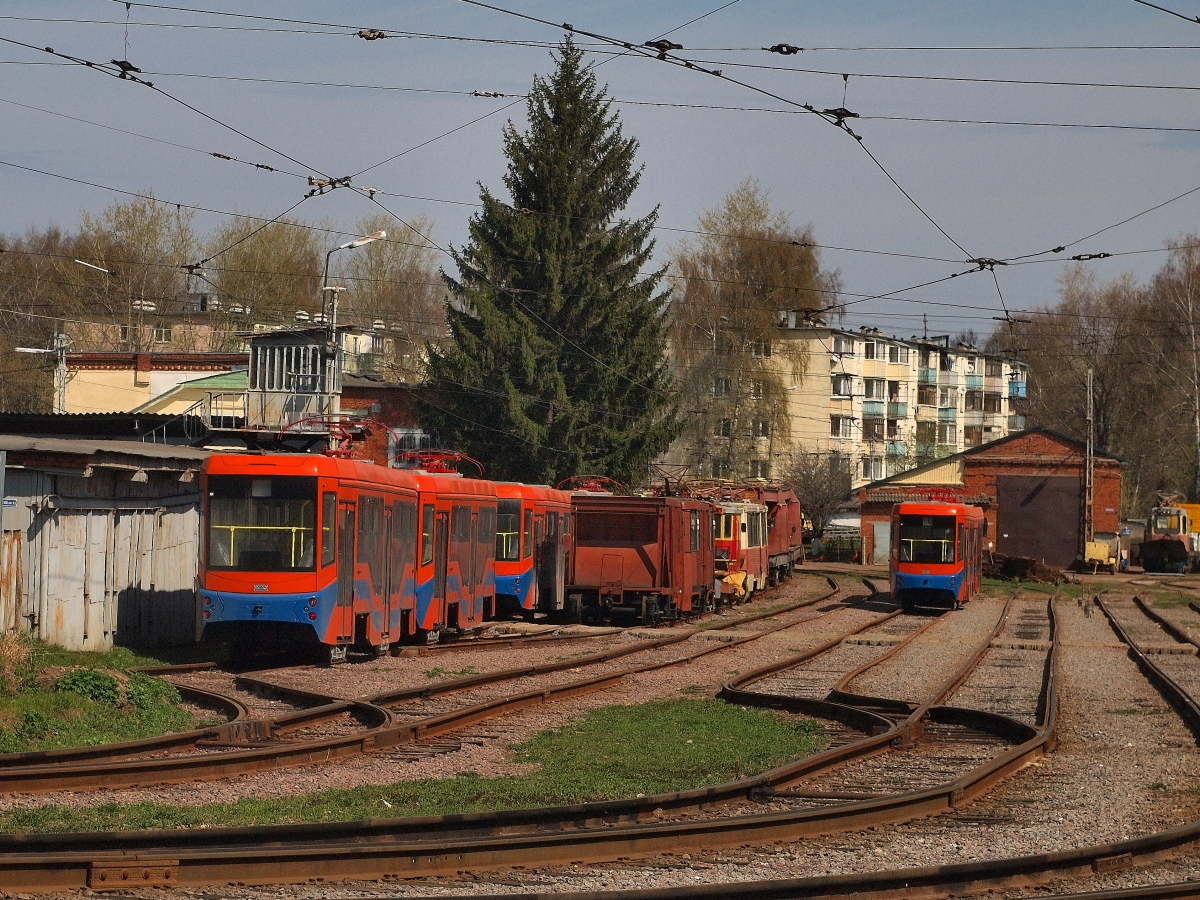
(611, 753)
(439, 672)
(1168, 599)
(57, 698)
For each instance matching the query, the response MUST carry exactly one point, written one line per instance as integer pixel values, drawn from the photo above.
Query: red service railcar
(784, 547)
(533, 549)
(740, 533)
(640, 559)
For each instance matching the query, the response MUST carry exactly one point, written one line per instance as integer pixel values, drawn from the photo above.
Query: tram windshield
(1167, 522)
(508, 530)
(927, 539)
(262, 524)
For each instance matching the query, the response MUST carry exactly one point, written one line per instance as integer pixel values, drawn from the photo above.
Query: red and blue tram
(533, 543)
(936, 553)
(340, 553)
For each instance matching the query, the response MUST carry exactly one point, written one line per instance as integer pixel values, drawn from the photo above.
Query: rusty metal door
(12, 552)
(1038, 517)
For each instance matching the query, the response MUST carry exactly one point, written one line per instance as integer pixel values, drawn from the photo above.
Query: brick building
(1030, 486)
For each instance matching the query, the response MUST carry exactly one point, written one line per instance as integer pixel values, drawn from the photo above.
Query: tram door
(387, 542)
(343, 611)
(551, 577)
(441, 547)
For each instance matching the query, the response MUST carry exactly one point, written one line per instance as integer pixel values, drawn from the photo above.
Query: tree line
(1141, 343)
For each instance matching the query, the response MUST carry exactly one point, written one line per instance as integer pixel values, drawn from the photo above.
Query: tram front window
(262, 523)
(508, 530)
(927, 539)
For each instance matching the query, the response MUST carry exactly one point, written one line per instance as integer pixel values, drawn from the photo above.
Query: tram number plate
(111, 875)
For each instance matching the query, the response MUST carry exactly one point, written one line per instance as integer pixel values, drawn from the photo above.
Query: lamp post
(61, 342)
(349, 245)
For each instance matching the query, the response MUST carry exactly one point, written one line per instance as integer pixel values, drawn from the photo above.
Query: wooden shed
(1031, 486)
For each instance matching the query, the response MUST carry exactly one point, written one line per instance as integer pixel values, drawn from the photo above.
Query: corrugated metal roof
(14, 443)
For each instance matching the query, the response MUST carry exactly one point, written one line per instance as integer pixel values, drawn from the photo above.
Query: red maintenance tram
(339, 553)
(740, 533)
(936, 556)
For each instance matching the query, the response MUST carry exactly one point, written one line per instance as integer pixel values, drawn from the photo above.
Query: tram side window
(328, 527)
(370, 538)
(487, 525)
(508, 528)
(694, 530)
(527, 535)
(460, 524)
(427, 534)
(404, 534)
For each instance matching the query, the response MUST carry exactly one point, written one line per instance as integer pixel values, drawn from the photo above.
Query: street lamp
(61, 342)
(349, 245)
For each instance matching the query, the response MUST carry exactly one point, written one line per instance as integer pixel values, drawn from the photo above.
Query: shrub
(91, 684)
(34, 725)
(147, 693)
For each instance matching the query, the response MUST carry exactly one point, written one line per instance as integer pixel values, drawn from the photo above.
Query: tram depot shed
(1031, 486)
(99, 541)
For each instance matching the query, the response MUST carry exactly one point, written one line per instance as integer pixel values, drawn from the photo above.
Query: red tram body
(341, 553)
(533, 548)
(936, 555)
(740, 534)
(784, 528)
(640, 558)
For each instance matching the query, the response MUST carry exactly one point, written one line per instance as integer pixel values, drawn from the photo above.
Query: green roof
(235, 381)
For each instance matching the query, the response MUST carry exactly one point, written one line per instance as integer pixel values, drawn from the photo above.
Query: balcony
(897, 410)
(1016, 389)
(897, 448)
(974, 382)
(1016, 423)
(926, 413)
(944, 450)
(927, 376)
(950, 414)
(873, 408)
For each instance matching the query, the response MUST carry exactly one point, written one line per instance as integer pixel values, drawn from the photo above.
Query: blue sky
(998, 190)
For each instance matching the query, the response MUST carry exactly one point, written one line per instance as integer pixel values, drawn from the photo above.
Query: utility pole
(1089, 469)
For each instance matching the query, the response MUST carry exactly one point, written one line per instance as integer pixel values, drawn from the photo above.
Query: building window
(760, 348)
(947, 433)
(895, 432)
(870, 350)
(874, 389)
(972, 365)
(873, 430)
(760, 468)
(724, 428)
(720, 468)
(926, 433)
(947, 362)
(948, 398)
(760, 428)
(757, 388)
(840, 426)
(973, 435)
(926, 395)
(993, 368)
(720, 386)
(123, 335)
(842, 345)
(897, 354)
(925, 359)
(842, 385)
(991, 403)
(162, 334)
(974, 401)
(873, 467)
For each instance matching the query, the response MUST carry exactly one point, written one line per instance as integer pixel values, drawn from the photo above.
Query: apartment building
(883, 404)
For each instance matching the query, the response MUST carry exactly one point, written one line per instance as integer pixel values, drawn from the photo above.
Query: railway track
(585, 832)
(319, 728)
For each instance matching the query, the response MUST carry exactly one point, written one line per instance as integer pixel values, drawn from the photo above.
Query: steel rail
(1182, 702)
(1164, 623)
(297, 852)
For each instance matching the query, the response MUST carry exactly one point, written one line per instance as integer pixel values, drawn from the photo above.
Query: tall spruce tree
(557, 362)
